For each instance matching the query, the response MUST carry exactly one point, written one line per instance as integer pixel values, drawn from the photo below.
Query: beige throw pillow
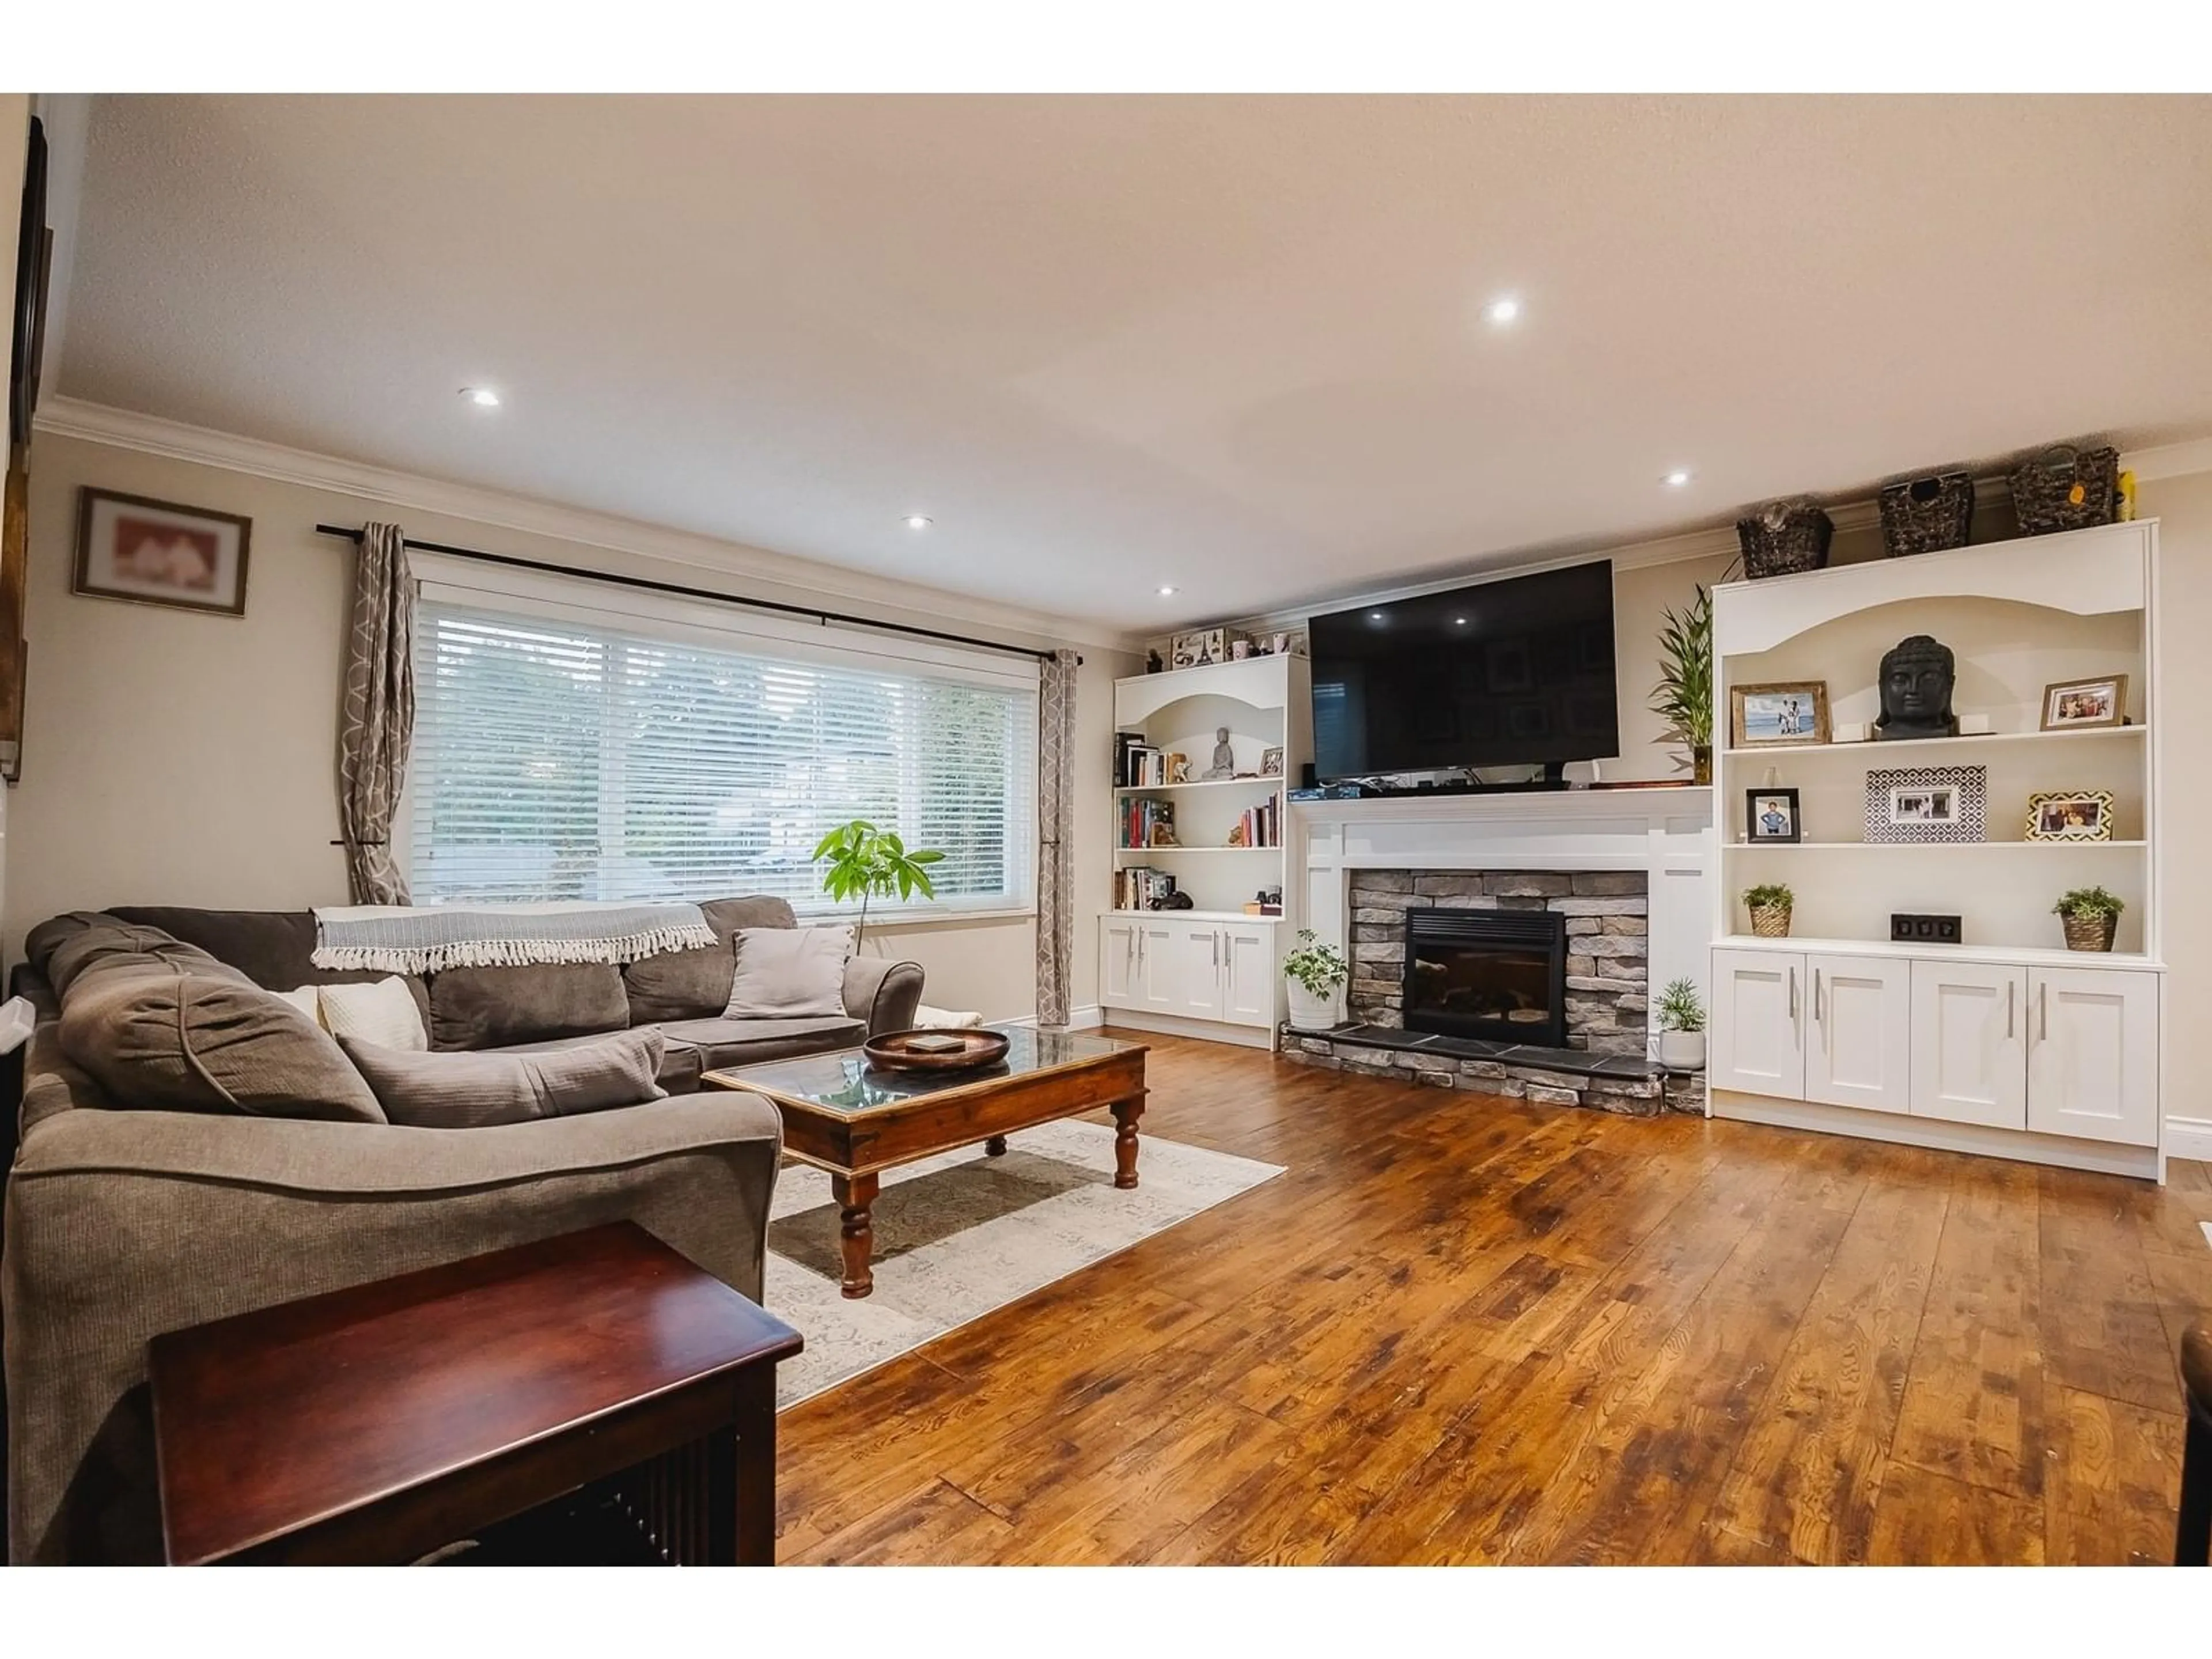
(789, 973)
(307, 1000)
(381, 1012)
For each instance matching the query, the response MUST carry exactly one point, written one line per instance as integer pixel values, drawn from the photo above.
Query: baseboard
(1205, 1030)
(2063, 1152)
(1087, 1019)
(2190, 1138)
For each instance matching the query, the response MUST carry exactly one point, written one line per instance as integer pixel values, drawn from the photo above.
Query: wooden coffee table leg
(1126, 1113)
(995, 1147)
(854, 1194)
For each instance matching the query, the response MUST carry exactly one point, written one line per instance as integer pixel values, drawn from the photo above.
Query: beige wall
(2184, 508)
(175, 758)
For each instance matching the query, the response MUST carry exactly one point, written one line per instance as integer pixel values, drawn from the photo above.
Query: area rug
(959, 1235)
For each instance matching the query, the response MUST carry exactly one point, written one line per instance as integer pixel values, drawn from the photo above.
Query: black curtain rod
(823, 617)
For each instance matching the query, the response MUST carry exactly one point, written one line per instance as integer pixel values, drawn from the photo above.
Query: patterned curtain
(1055, 930)
(376, 720)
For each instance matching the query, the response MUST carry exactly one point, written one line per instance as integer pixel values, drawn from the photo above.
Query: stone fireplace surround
(1607, 913)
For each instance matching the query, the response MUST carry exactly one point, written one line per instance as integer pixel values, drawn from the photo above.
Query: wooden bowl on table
(966, 1050)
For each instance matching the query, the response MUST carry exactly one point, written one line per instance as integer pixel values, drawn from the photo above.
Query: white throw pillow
(789, 973)
(382, 1012)
(307, 1000)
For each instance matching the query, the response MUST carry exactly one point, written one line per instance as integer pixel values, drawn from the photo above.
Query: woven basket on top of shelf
(1926, 515)
(1784, 539)
(2066, 488)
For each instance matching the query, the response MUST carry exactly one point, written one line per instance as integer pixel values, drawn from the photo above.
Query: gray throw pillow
(788, 973)
(451, 1089)
(161, 1039)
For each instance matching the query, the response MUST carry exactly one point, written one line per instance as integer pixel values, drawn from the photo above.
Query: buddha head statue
(1917, 678)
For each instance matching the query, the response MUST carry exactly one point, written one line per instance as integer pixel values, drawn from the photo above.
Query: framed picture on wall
(160, 553)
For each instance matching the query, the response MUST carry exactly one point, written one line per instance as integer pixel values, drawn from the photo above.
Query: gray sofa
(122, 1223)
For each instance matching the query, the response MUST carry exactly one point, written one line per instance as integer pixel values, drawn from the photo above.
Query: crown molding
(2169, 460)
(151, 434)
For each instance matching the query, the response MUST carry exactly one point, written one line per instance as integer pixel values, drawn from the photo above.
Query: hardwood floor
(1460, 1329)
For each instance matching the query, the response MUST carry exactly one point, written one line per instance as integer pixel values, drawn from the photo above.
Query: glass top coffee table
(844, 1114)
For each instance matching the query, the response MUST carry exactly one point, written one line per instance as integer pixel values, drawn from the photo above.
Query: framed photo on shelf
(1926, 804)
(1271, 763)
(2076, 705)
(128, 547)
(2070, 814)
(1770, 817)
(1786, 714)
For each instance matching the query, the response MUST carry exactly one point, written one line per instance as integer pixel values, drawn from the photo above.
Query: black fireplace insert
(1496, 974)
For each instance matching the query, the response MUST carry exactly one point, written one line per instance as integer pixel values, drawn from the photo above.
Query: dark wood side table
(380, 1423)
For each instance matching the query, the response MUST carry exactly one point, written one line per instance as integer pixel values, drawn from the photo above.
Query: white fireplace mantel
(1667, 833)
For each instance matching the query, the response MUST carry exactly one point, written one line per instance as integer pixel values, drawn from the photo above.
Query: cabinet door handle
(2010, 986)
(1819, 1019)
(1793, 996)
(2043, 1011)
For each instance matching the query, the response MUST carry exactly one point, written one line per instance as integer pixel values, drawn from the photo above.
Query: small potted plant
(2089, 915)
(1770, 905)
(1314, 974)
(1682, 1028)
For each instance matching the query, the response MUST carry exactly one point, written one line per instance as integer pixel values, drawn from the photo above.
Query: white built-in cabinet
(2006, 1042)
(1185, 968)
(2048, 1049)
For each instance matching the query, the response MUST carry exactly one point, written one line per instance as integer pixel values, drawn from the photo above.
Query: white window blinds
(558, 759)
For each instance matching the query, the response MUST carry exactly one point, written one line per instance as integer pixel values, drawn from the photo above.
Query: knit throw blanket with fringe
(401, 940)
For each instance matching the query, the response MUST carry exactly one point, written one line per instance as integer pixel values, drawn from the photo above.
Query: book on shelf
(1141, 887)
(1262, 825)
(1138, 764)
(1147, 823)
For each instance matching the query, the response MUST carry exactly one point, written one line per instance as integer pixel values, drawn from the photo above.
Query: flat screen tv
(1513, 672)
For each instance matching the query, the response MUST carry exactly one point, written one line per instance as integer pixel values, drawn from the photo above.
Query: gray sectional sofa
(121, 1224)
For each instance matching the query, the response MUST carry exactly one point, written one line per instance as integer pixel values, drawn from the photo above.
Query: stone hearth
(1624, 1083)
(1607, 913)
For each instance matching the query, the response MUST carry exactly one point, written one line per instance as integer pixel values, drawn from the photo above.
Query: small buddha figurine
(1225, 758)
(1918, 676)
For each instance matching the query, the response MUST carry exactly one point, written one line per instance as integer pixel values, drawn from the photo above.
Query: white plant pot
(1310, 1013)
(1682, 1051)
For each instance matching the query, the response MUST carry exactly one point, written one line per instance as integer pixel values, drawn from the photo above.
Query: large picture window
(555, 758)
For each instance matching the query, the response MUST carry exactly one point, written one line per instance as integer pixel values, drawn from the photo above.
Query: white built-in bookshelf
(1213, 969)
(2006, 1041)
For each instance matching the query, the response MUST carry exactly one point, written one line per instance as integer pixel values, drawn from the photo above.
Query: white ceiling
(1234, 345)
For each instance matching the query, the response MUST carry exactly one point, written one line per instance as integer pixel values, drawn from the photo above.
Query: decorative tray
(935, 1051)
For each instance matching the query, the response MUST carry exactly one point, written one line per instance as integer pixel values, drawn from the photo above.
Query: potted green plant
(1313, 975)
(2090, 915)
(1770, 904)
(860, 861)
(1682, 1027)
(1684, 696)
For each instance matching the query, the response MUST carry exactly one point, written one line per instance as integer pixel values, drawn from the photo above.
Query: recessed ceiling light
(1375, 616)
(482, 395)
(916, 521)
(1164, 592)
(1461, 621)
(1502, 311)
(1675, 479)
